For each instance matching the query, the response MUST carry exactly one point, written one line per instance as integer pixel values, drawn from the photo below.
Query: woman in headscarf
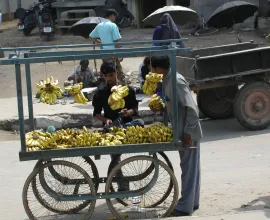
(167, 30)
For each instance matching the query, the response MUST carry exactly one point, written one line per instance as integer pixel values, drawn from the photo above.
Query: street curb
(71, 120)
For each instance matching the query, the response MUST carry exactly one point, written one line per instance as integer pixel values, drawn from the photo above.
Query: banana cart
(64, 183)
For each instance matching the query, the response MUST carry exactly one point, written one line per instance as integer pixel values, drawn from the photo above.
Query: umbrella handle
(95, 62)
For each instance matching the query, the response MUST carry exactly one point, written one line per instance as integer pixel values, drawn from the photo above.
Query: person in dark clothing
(100, 101)
(144, 69)
(83, 73)
(111, 117)
(167, 30)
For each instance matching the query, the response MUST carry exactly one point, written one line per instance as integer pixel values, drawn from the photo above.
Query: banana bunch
(75, 90)
(80, 98)
(72, 90)
(64, 139)
(156, 103)
(159, 133)
(116, 99)
(135, 135)
(150, 84)
(49, 90)
(37, 140)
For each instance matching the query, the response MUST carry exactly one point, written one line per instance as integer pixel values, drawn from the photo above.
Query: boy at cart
(119, 118)
(189, 132)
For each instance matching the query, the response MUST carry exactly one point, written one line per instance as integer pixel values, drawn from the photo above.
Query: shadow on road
(260, 204)
(214, 130)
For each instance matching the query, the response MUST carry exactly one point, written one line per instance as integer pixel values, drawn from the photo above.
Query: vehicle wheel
(36, 209)
(85, 163)
(252, 106)
(217, 103)
(27, 32)
(206, 31)
(143, 207)
(161, 156)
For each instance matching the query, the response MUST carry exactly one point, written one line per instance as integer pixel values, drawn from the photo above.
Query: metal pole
(8, 9)
(20, 106)
(138, 14)
(165, 113)
(19, 3)
(29, 96)
(263, 8)
(174, 97)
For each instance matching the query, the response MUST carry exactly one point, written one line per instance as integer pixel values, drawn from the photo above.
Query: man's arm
(116, 35)
(192, 114)
(95, 40)
(157, 35)
(94, 36)
(72, 76)
(131, 104)
(98, 109)
(91, 77)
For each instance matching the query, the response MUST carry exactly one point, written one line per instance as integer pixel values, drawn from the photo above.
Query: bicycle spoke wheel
(86, 163)
(142, 207)
(37, 208)
(161, 156)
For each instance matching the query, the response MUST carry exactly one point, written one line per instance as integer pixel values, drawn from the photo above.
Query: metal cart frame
(47, 155)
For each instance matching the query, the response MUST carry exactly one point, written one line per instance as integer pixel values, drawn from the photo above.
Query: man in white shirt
(107, 32)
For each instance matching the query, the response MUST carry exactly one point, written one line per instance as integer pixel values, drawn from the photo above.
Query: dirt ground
(11, 37)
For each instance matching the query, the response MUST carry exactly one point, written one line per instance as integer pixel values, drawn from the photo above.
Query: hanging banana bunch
(156, 103)
(75, 90)
(49, 90)
(151, 82)
(116, 99)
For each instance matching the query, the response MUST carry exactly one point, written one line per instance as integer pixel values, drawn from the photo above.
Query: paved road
(235, 172)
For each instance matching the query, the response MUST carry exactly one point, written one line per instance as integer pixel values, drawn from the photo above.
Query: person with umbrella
(167, 30)
(189, 133)
(107, 32)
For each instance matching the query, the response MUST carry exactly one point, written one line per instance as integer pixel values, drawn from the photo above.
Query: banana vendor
(190, 133)
(83, 73)
(121, 117)
(100, 101)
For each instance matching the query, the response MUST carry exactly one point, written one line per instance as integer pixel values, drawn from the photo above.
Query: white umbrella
(181, 15)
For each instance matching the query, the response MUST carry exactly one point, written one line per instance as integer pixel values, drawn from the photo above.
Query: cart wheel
(217, 103)
(161, 156)
(252, 106)
(85, 163)
(142, 207)
(36, 210)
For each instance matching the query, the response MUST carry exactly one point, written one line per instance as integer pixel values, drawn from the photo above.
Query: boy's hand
(187, 140)
(125, 112)
(108, 122)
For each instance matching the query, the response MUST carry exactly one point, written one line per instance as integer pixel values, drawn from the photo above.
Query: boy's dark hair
(146, 61)
(161, 62)
(110, 12)
(107, 67)
(84, 62)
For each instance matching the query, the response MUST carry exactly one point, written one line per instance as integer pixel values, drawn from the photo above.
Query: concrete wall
(207, 7)
(13, 5)
(131, 5)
